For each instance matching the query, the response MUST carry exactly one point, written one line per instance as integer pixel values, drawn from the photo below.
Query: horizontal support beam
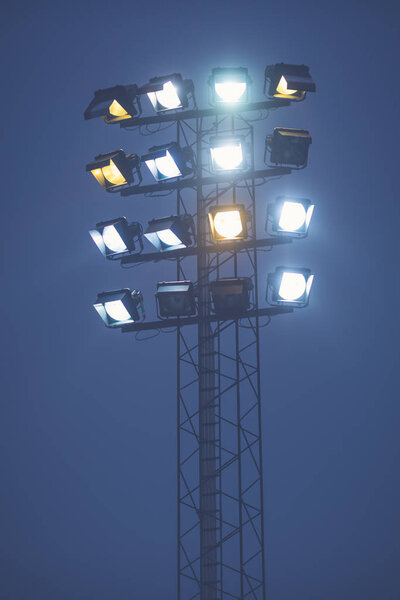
(194, 182)
(231, 246)
(196, 113)
(169, 323)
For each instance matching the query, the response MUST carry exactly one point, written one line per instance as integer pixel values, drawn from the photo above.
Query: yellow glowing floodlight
(228, 222)
(114, 169)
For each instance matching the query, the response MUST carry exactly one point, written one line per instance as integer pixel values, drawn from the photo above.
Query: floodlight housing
(288, 81)
(288, 146)
(175, 299)
(116, 236)
(228, 153)
(168, 161)
(170, 233)
(229, 85)
(114, 169)
(228, 222)
(289, 216)
(289, 287)
(120, 307)
(231, 296)
(114, 104)
(169, 92)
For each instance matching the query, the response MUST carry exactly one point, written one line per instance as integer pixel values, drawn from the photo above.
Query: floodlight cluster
(229, 153)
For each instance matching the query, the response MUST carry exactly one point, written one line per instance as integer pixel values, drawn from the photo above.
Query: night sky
(88, 416)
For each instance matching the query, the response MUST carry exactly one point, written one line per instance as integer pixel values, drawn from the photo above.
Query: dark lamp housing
(175, 299)
(288, 81)
(231, 296)
(114, 104)
(120, 307)
(114, 169)
(288, 146)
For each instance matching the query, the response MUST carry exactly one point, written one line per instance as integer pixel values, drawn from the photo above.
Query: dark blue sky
(87, 428)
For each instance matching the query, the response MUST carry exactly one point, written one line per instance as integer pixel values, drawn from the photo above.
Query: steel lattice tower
(220, 512)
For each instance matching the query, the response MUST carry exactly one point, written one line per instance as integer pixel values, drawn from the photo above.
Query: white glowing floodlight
(170, 233)
(228, 154)
(120, 307)
(169, 92)
(116, 236)
(228, 222)
(290, 216)
(168, 161)
(229, 85)
(290, 287)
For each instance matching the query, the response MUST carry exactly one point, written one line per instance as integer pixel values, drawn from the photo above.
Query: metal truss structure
(220, 516)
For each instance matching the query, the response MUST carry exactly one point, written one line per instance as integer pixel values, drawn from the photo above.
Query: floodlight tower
(220, 513)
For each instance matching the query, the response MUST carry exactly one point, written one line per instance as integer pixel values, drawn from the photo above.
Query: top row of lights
(172, 92)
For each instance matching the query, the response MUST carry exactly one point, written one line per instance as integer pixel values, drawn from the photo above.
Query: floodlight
(288, 146)
(289, 287)
(228, 153)
(228, 222)
(114, 169)
(169, 92)
(231, 296)
(114, 104)
(229, 86)
(119, 307)
(168, 161)
(170, 233)
(288, 81)
(289, 216)
(116, 236)
(175, 299)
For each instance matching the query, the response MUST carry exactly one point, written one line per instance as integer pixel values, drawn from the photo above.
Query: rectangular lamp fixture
(170, 233)
(169, 92)
(289, 216)
(288, 81)
(228, 222)
(168, 161)
(114, 104)
(175, 299)
(229, 85)
(114, 169)
(228, 153)
(119, 307)
(231, 296)
(116, 236)
(289, 287)
(288, 146)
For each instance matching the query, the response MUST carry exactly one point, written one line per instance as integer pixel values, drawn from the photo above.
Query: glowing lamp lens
(116, 110)
(113, 240)
(167, 237)
(230, 91)
(228, 157)
(292, 287)
(117, 311)
(228, 224)
(283, 89)
(167, 97)
(167, 166)
(293, 216)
